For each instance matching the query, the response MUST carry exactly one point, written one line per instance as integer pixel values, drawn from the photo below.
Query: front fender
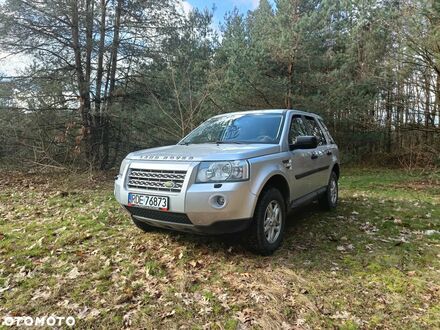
(263, 169)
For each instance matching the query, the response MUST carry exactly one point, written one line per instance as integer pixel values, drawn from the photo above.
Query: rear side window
(331, 141)
(297, 128)
(314, 129)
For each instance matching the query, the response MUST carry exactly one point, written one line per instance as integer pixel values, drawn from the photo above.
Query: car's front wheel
(267, 229)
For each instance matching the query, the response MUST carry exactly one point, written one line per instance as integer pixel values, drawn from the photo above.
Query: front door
(302, 161)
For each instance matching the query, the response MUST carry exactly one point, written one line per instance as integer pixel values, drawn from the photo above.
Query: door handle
(314, 156)
(329, 153)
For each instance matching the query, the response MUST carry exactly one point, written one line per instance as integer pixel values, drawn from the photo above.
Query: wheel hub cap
(272, 221)
(333, 191)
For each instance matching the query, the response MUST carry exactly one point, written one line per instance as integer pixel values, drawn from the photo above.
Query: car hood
(205, 152)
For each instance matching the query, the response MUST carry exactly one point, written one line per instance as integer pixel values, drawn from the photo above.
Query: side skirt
(308, 198)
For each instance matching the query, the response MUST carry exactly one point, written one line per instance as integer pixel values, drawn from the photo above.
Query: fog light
(220, 200)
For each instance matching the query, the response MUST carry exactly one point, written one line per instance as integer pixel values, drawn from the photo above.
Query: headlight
(123, 165)
(237, 170)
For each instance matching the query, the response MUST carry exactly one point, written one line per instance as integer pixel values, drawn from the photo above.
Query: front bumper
(180, 222)
(193, 208)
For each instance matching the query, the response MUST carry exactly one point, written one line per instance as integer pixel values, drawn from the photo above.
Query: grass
(66, 248)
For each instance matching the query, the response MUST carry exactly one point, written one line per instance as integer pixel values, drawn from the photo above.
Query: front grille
(159, 215)
(157, 180)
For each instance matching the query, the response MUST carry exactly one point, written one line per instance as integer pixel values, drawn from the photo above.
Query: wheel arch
(336, 169)
(278, 181)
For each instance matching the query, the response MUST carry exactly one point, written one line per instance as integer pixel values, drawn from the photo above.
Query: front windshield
(243, 128)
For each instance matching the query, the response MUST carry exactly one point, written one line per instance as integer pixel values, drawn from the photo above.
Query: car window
(297, 128)
(314, 129)
(263, 128)
(329, 136)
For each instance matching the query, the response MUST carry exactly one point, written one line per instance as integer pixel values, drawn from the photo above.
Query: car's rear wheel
(266, 232)
(142, 225)
(329, 200)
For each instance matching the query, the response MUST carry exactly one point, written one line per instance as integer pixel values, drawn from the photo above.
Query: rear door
(319, 173)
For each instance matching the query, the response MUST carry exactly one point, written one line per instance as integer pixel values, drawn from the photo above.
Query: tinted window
(331, 141)
(243, 128)
(297, 128)
(314, 129)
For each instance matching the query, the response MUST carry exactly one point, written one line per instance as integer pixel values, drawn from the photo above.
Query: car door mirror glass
(304, 142)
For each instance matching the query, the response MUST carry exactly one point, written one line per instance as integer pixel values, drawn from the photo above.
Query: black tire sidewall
(262, 245)
(332, 205)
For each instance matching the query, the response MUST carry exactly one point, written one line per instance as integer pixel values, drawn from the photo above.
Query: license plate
(148, 201)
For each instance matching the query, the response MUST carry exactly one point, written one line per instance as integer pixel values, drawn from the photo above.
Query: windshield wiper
(216, 142)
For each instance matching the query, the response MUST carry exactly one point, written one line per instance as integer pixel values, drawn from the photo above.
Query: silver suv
(236, 172)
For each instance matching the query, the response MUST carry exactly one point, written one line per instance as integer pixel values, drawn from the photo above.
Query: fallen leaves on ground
(67, 249)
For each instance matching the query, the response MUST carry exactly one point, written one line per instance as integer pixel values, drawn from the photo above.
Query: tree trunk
(112, 84)
(99, 74)
(388, 118)
(94, 142)
(437, 101)
(288, 99)
(427, 106)
(83, 87)
(399, 113)
(100, 64)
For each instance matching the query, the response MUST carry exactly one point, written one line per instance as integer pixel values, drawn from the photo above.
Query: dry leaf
(74, 273)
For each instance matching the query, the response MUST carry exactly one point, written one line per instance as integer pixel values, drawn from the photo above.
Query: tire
(142, 225)
(260, 240)
(329, 200)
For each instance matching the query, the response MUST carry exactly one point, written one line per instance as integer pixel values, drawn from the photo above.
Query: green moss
(349, 325)
(154, 268)
(231, 324)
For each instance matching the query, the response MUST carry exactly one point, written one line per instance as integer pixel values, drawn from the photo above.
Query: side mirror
(304, 142)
